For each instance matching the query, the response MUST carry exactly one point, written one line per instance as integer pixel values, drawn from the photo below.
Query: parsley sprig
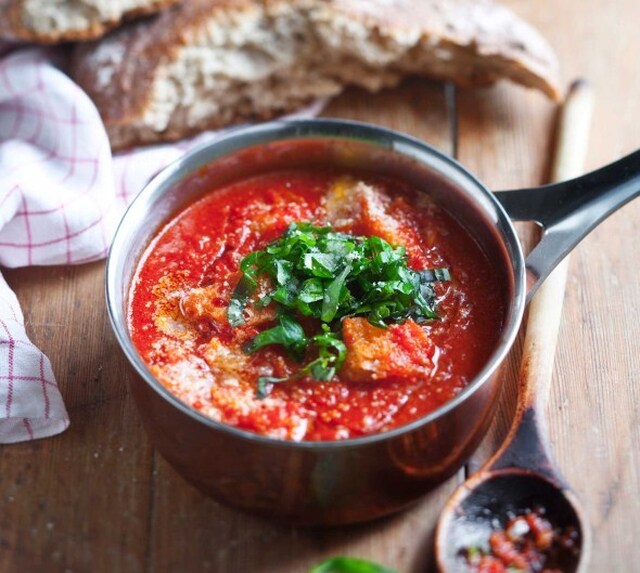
(318, 273)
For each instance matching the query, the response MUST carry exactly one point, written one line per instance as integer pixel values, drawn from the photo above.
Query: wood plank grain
(223, 540)
(79, 501)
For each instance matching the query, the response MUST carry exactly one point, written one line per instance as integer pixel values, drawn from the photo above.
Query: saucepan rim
(238, 139)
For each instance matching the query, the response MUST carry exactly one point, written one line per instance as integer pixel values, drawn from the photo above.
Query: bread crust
(13, 26)
(372, 44)
(467, 28)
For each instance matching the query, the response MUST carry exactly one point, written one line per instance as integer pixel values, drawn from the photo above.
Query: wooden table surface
(99, 498)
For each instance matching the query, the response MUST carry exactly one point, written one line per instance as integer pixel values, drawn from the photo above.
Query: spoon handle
(525, 445)
(545, 311)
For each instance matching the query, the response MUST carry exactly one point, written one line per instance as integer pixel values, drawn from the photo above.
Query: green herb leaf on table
(349, 565)
(328, 276)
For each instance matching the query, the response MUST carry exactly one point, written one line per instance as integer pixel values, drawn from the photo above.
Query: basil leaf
(264, 385)
(433, 275)
(331, 299)
(320, 372)
(264, 301)
(332, 353)
(349, 565)
(239, 299)
(321, 265)
(287, 294)
(288, 333)
(312, 291)
(251, 266)
(283, 272)
(340, 245)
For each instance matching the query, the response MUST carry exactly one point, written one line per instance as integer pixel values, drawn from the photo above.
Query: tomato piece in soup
(374, 354)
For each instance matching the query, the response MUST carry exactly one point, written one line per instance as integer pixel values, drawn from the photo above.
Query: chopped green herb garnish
(265, 383)
(315, 272)
(331, 355)
(287, 333)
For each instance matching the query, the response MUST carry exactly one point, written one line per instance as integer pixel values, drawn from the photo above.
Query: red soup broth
(186, 277)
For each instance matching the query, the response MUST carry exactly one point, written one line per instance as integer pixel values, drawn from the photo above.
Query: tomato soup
(375, 374)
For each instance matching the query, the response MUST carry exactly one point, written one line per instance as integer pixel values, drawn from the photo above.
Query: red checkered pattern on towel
(61, 196)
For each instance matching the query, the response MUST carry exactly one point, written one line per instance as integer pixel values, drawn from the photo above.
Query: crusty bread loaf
(52, 21)
(208, 63)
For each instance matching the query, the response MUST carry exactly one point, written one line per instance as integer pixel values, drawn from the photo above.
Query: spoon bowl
(482, 504)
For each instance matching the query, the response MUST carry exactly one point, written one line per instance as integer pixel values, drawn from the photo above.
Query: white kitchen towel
(61, 197)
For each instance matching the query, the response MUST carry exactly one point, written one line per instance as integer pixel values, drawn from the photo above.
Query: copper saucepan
(358, 479)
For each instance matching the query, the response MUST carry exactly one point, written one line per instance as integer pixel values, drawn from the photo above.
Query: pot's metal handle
(568, 211)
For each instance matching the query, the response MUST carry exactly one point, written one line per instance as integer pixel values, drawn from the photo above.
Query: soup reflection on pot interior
(315, 304)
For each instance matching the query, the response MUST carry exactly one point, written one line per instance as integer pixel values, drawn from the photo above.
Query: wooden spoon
(521, 475)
